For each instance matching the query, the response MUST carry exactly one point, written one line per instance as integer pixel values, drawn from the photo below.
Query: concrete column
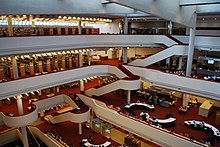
(14, 68)
(185, 99)
(81, 85)
(58, 89)
(23, 129)
(126, 25)
(20, 105)
(80, 128)
(40, 92)
(24, 136)
(170, 27)
(80, 59)
(33, 24)
(168, 62)
(180, 63)
(10, 28)
(125, 55)
(79, 28)
(190, 50)
(129, 97)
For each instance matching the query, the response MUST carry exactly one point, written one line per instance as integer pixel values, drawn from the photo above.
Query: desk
(205, 108)
(161, 121)
(151, 107)
(203, 125)
(87, 143)
(65, 110)
(50, 94)
(192, 101)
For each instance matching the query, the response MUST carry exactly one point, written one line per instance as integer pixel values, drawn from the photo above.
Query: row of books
(42, 31)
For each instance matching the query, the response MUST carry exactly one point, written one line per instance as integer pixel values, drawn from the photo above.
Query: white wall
(108, 28)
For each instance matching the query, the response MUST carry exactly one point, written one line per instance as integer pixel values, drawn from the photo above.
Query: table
(139, 104)
(157, 120)
(50, 94)
(87, 143)
(202, 125)
(205, 108)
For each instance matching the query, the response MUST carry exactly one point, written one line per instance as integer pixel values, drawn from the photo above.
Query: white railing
(180, 50)
(180, 83)
(36, 44)
(120, 84)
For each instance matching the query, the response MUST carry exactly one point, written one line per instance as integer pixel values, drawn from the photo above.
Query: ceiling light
(215, 18)
(60, 17)
(74, 17)
(64, 17)
(203, 18)
(69, 17)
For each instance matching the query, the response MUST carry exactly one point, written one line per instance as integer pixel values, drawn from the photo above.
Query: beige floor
(119, 136)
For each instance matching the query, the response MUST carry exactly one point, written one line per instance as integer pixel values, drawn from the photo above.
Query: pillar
(81, 85)
(180, 63)
(126, 25)
(23, 129)
(33, 24)
(170, 27)
(129, 97)
(80, 128)
(39, 92)
(190, 50)
(24, 136)
(79, 28)
(14, 68)
(125, 55)
(80, 59)
(20, 105)
(58, 89)
(185, 99)
(168, 62)
(10, 28)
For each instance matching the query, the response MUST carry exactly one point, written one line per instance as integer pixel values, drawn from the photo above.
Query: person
(71, 93)
(121, 59)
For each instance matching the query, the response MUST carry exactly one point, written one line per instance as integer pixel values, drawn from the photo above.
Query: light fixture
(215, 18)
(203, 18)
(74, 17)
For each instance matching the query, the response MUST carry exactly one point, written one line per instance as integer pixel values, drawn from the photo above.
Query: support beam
(129, 97)
(164, 9)
(125, 55)
(191, 50)
(14, 67)
(125, 25)
(80, 128)
(81, 84)
(80, 28)
(23, 129)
